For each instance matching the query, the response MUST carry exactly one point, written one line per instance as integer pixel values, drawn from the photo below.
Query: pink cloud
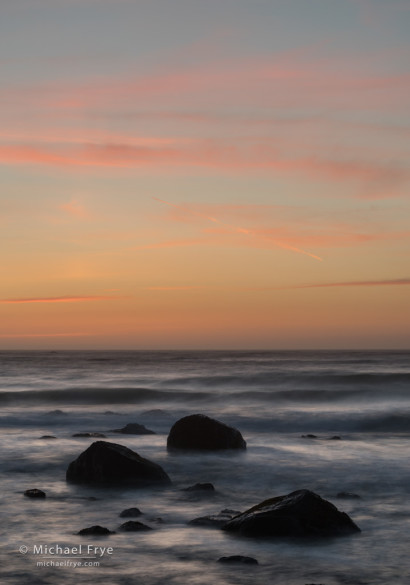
(72, 299)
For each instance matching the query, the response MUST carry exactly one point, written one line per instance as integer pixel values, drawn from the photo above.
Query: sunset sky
(205, 174)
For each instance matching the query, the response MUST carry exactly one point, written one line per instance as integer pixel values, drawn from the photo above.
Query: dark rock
(35, 493)
(335, 438)
(130, 513)
(90, 435)
(199, 432)
(48, 437)
(200, 487)
(301, 513)
(134, 526)
(105, 462)
(217, 520)
(348, 496)
(134, 429)
(154, 412)
(57, 412)
(238, 559)
(95, 531)
(309, 436)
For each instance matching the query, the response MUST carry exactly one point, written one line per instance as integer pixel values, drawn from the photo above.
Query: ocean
(272, 398)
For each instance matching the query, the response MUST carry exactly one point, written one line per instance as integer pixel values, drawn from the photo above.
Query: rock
(35, 493)
(217, 520)
(57, 412)
(90, 435)
(201, 433)
(130, 513)
(335, 438)
(301, 513)
(95, 531)
(134, 526)
(309, 436)
(48, 437)
(154, 412)
(200, 487)
(238, 559)
(348, 496)
(105, 462)
(134, 429)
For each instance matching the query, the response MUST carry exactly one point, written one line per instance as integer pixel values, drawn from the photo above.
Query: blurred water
(272, 398)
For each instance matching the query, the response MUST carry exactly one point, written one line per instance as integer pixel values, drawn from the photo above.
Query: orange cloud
(57, 299)
(75, 209)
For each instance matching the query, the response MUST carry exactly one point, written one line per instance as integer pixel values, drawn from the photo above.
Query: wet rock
(202, 433)
(200, 487)
(35, 493)
(130, 513)
(105, 462)
(95, 531)
(134, 526)
(301, 514)
(335, 438)
(234, 559)
(57, 412)
(48, 437)
(90, 435)
(348, 496)
(216, 520)
(134, 429)
(309, 436)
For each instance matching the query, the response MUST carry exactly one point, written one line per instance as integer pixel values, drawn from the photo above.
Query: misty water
(272, 398)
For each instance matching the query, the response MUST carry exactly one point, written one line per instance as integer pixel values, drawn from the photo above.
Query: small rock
(200, 487)
(134, 429)
(134, 526)
(95, 531)
(48, 437)
(348, 496)
(309, 436)
(217, 520)
(238, 559)
(90, 435)
(335, 438)
(57, 412)
(35, 493)
(130, 513)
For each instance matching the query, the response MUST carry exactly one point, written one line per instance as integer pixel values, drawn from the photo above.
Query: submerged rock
(200, 487)
(134, 526)
(35, 493)
(105, 462)
(134, 429)
(95, 531)
(309, 436)
(202, 433)
(348, 496)
(301, 513)
(217, 520)
(130, 513)
(234, 559)
(90, 435)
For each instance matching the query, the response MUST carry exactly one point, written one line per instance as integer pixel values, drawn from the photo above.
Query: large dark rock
(134, 526)
(301, 513)
(201, 433)
(130, 513)
(134, 429)
(105, 462)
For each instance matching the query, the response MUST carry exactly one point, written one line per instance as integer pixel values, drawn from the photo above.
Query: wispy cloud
(352, 283)
(73, 299)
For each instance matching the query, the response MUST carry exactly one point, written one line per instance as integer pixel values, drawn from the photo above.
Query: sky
(219, 174)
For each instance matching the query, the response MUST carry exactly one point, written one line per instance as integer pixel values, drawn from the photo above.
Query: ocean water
(272, 398)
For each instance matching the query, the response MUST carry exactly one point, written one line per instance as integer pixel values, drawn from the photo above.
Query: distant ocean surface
(273, 398)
